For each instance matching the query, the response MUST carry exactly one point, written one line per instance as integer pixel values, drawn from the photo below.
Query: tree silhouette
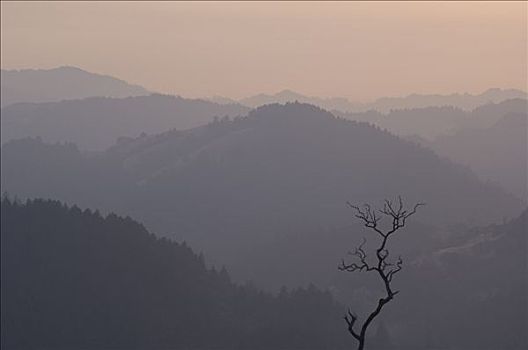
(385, 268)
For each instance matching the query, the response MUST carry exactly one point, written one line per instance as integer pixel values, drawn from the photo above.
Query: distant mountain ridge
(68, 82)
(384, 105)
(498, 153)
(62, 83)
(96, 123)
(432, 122)
(464, 101)
(285, 96)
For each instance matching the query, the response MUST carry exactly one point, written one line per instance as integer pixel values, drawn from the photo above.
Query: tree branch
(362, 257)
(351, 320)
(385, 269)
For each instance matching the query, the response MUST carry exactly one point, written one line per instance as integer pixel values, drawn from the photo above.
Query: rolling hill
(97, 123)
(498, 153)
(74, 279)
(62, 83)
(466, 102)
(234, 187)
(432, 122)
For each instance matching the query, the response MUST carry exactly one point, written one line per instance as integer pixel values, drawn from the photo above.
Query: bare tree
(383, 266)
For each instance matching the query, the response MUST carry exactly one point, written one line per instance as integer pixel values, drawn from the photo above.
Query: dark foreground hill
(62, 83)
(97, 123)
(277, 178)
(73, 279)
(472, 293)
(468, 293)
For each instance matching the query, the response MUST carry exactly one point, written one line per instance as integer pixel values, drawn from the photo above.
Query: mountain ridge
(74, 277)
(61, 83)
(280, 171)
(464, 101)
(95, 123)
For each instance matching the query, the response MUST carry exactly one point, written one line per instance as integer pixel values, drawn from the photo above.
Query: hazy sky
(357, 50)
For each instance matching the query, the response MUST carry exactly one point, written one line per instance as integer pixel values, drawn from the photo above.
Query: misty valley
(235, 228)
(210, 205)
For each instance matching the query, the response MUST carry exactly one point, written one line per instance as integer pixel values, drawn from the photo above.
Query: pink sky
(357, 50)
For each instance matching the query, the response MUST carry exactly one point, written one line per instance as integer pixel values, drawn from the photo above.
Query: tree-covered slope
(233, 187)
(434, 121)
(73, 279)
(96, 123)
(498, 153)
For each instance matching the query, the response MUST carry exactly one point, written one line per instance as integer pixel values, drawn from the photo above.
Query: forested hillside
(497, 153)
(470, 293)
(268, 175)
(97, 123)
(73, 279)
(246, 191)
(435, 121)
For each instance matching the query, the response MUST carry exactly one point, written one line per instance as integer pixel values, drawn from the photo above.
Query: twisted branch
(384, 268)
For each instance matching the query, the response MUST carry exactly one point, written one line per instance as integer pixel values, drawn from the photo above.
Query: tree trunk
(361, 344)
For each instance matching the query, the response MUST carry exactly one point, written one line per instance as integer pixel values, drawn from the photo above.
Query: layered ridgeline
(62, 83)
(385, 105)
(497, 153)
(73, 279)
(252, 191)
(96, 123)
(433, 122)
(491, 140)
